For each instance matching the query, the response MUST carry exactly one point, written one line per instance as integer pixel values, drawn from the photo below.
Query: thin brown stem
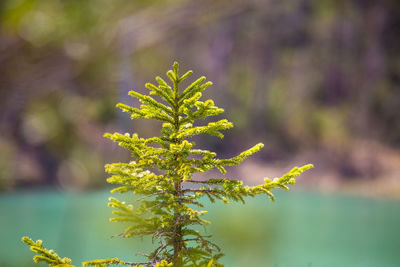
(177, 238)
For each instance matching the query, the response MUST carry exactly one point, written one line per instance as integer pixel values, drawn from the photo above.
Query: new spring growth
(169, 202)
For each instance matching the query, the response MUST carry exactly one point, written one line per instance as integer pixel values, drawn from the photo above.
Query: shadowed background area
(315, 81)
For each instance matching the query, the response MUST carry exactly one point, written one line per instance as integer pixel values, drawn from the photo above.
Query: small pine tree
(168, 208)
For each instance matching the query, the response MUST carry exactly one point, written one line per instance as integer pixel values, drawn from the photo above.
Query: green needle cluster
(169, 207)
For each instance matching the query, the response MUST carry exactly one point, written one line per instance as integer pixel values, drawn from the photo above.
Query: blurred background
(315, 81)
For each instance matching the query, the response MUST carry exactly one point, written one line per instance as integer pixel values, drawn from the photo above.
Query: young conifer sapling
(168, 205)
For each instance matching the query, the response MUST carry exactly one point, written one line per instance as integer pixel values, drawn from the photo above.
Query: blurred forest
(316, 81)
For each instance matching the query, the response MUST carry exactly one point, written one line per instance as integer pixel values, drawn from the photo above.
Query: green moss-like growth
(169, 206)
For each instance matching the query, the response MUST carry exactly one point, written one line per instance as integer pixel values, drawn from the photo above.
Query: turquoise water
(299, 229)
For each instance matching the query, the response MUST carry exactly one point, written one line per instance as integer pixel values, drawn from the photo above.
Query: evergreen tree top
(169, 206)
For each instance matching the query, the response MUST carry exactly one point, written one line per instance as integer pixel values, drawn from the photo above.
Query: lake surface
(299, 229)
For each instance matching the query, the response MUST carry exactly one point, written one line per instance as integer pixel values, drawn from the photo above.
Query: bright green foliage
(169, 207)
(44, 255)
